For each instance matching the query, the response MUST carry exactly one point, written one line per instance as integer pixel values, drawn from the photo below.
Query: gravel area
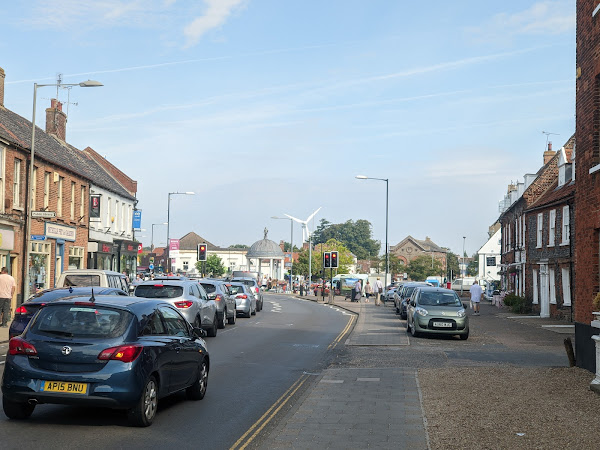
(509, 407)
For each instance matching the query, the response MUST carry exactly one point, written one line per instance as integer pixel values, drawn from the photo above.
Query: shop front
(103, 255)
(7, 258)
(127, 257)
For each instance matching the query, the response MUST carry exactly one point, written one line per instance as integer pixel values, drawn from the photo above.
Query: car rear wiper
(58, 332)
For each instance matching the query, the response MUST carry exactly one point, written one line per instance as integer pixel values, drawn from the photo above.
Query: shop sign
(106, 248)
(7, 240)
(137, 219)
(94, 206)
(173, 244)
(56, 231)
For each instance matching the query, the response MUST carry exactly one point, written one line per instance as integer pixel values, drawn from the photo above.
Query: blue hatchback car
(25, 312)
(107, 351)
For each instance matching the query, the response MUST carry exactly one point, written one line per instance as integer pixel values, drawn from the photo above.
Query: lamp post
(168, 226)
(30, 193)
(291, 246)
(387, 259)
(152, 235)
(462, 269)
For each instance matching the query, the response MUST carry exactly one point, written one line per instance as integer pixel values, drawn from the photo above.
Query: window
(72, 210)
(108, 212)
(116, 220)
(2, 178)
(535, 287)
(76, 257)
(46, 189)
(552, 225)
(17, 183)
(59, 195)
(186, 265)
(176, 325)
(552, 286)
(82, 202)
(540, 225)
(154, 326)
(565, 226)
(566, 286)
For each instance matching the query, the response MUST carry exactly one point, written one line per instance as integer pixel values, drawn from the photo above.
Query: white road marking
(332, 381)
(368, 379)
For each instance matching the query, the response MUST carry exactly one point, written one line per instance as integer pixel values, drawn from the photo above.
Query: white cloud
(217, 12)
(545, 17)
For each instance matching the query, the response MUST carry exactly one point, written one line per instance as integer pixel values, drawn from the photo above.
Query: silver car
(254, 288)
(187, 296)
(218, 291)
(245, 301)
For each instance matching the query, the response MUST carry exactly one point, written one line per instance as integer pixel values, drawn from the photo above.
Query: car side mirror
(464, 305)
(199, 333)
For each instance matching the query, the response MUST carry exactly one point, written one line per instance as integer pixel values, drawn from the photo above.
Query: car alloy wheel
(142, 415)
(197, 390)
(413, 329)
(231, 320)
(223, 320)
(212, 331)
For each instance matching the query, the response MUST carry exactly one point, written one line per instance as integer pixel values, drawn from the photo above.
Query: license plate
(442, 324)
(64, 386)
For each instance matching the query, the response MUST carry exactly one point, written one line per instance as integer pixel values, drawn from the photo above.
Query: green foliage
(473, 267)
(396, 265)
(239, 246)
(518, 304)
(344, 256)
(214, 266)
(423, 266)
(452, 265)
(356, 236)
(286, 247)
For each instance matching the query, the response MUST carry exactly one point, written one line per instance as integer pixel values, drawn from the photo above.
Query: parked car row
(96, 345)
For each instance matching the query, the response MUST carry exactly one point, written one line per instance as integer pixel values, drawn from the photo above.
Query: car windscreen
(75, 321)
(82, 280)
(158, 291)
(439, 299)
(209, 288)
(407, 291)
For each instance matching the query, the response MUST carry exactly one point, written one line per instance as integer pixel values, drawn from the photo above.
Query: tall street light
(30, 194)
(387, 259)
(291, 246)
(168, 225)
(152, 238)
(463, 271)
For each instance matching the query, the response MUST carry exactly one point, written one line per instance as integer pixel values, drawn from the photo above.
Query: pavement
(4, 333)
(358, 408)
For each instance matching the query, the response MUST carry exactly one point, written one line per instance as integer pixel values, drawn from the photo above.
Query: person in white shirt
(476, 293)
(377, 290)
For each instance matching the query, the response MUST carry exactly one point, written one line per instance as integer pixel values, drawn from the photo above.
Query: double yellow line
(343, 333)
(261, 423)
(258, 426)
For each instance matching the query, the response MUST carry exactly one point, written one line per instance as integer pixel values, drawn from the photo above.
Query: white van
(463, 283)
(93, 277)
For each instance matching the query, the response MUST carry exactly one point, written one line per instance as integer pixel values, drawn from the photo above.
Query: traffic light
(327, 260)
(334, 260)
(201, 252)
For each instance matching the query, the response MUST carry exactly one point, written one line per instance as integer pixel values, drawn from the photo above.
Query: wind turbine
(306, 236)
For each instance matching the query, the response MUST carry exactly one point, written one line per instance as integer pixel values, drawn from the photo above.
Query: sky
(269, 107)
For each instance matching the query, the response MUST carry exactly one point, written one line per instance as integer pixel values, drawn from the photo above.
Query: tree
(396, 265)
(473, 267)
(214, 266)
(286, 247)
(239, 246)
(356, 237)
(344, 256)
(452, 267)
(422, 267)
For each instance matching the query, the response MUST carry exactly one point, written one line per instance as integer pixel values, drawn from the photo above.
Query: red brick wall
(587, 194)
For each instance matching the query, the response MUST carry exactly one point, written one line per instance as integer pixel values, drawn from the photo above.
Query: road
(253, 365)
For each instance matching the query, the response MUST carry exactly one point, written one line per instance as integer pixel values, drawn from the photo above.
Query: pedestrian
(358, 290)
(368, 291)
(7, 290)
(476, 293)
(378, 290)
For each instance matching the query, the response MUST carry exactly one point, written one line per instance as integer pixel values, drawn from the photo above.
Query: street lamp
(463, 270)
(152, 238)
(168, 225)
(387, 260)
(291, 246)
(30, 193)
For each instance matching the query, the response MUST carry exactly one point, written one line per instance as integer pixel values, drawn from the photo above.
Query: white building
(489, 258)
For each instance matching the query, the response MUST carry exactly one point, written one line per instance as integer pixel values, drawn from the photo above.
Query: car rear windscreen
(236, 289)
(81, 321)
(209, 288)
(82, 280)
(158, 291)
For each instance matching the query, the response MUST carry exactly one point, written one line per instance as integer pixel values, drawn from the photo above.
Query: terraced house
(59, 195)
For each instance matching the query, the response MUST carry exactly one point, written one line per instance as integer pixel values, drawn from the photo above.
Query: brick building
(550, 242)
(514, 226)
(587, 192)
(410, 248)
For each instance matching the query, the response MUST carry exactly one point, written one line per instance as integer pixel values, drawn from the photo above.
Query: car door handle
(177, 349)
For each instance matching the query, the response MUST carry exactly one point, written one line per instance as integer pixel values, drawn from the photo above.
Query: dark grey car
(218, 291)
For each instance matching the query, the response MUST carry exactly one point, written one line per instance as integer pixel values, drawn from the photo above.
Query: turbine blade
(293, 218)
(313, 214)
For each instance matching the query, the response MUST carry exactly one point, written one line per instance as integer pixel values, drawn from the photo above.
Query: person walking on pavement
(368, 291)
(476, 293)
(7, 290)
(358, 290)
(378, 288)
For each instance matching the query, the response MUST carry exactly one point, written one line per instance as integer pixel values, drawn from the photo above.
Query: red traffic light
(334, 260)
(201, 252)
(327, 260)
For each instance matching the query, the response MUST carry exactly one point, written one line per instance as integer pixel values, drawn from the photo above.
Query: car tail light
(256, 288)
(218, 298)
(124, 353)
(241, 296)
(184, 304)
(21, 310)
(18, 346)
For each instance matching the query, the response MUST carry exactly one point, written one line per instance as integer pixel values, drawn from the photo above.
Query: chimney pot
(2, 75)
(56, 120)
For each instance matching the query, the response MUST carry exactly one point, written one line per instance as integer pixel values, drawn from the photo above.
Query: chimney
(1, 86)
(56, 120)
(548, 154)
(281, 245)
